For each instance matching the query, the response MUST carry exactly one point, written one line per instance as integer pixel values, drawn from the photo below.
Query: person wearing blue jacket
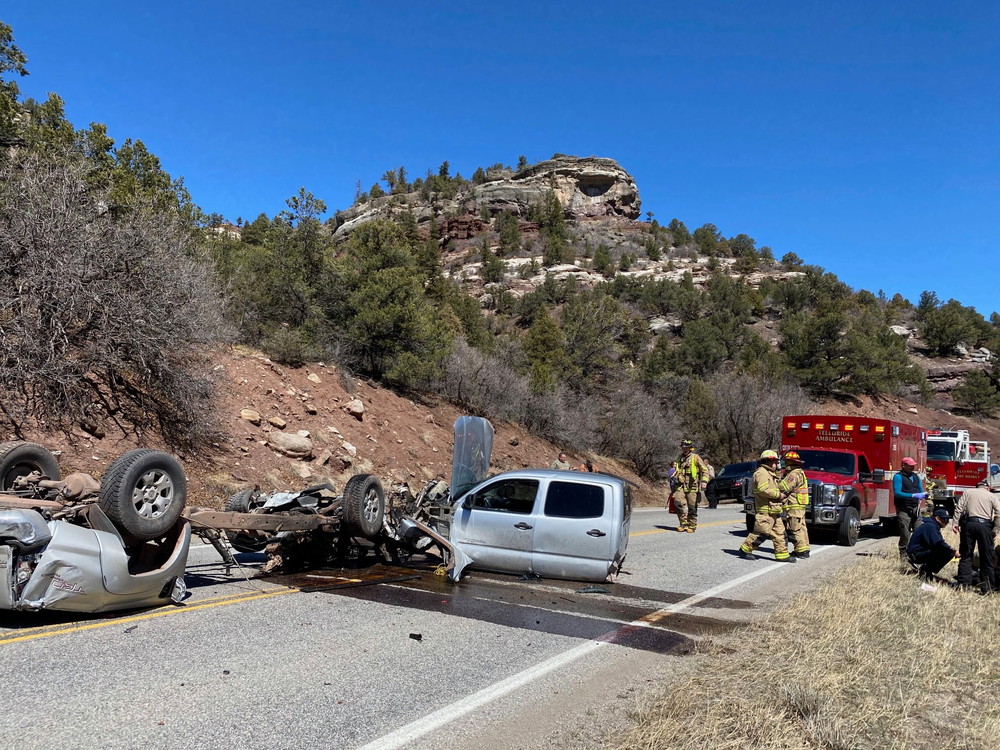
(928, 551)
(907, 494)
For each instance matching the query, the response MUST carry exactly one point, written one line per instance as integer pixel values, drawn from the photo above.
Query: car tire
(144, 492)
(850, 527)
(246, 540)
(364, 504)
(19, 458)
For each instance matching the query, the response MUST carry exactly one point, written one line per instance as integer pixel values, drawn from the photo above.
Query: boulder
(313, 378)
(349, 449)
(250, 416)
(301, 470)
(278, 422)
(355, 408)
(293, 446)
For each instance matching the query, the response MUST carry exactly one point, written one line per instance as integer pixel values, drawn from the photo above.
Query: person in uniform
(908, 494)
(927, 550)
(977, 521)
(795, 488)
(692, 476)
(767, 498)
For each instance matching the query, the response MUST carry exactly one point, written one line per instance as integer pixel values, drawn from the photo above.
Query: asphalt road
(411, 662)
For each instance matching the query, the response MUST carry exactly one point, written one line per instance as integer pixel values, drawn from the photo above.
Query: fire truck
(850, 463)
(956, 463)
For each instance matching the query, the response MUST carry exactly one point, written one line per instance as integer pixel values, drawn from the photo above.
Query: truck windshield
(940, 450)
(835, 463)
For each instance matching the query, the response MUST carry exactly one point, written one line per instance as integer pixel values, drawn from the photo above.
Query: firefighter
(908, 495)
(692, 476)
(767, 497)
(795, 488)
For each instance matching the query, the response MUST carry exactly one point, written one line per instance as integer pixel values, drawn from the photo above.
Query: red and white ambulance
(850, 463)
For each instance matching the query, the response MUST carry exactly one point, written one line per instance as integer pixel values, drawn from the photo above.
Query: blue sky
(864, 136)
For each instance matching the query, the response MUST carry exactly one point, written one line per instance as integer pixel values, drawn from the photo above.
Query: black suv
(726, 484)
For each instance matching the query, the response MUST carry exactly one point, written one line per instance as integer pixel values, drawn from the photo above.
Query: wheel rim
(16, 471)
(153, 494)
(854, 528)
(370, 507)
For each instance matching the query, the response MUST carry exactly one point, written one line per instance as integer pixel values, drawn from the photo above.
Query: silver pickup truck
(553, 524)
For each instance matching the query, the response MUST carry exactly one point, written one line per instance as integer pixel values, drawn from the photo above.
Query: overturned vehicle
(79, 545)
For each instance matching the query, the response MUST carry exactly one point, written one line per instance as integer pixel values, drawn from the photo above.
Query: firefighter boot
(746, 554)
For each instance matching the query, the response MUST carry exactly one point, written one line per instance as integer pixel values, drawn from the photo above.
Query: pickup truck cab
(554, 524)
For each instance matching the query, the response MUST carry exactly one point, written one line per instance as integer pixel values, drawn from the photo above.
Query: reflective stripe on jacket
(692, 470)
(795, 482)
(766, 492)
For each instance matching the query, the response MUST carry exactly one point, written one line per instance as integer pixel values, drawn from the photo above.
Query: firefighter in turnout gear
(692, 475)
(767, 496)
(795, 488)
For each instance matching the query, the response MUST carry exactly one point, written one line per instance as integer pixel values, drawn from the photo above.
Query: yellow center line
(162, 612)
(700, 526)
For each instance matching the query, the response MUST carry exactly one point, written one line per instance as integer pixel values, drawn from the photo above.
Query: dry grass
(868, 660)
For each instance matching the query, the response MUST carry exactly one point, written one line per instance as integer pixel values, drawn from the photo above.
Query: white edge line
(427, 724)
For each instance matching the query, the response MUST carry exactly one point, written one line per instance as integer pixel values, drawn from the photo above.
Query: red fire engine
(850, 462)
(955, 463)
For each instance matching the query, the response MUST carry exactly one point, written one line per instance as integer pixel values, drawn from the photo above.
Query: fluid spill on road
(505, 601)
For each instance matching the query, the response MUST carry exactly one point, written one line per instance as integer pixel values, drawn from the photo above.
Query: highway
(388, 657)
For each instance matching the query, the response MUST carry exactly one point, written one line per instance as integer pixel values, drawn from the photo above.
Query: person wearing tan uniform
(795, 488)
(767, 497)
(692, 476)
(977, 519)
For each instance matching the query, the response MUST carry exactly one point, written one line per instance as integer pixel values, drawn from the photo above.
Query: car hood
(829, 477)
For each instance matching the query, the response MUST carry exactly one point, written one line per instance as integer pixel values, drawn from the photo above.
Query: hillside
(397, 438)
(257, 401)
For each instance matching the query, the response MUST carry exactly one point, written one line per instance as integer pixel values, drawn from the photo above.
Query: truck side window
(863, 467)
(574, 500)
(509, 496)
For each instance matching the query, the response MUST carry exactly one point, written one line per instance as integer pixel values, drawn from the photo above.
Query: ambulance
(850, 463)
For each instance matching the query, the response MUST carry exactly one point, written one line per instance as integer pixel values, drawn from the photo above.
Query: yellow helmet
(769, 455)
(793, 457)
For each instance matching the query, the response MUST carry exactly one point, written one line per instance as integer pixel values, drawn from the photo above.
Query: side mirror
(468, 503)
(878, 475)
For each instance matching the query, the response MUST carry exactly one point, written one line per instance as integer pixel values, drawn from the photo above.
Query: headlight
(832, 494)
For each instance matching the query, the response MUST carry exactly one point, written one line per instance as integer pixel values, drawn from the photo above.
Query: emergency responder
(927, 550)
(767, 498)
(589, 466)
(907, 493)
(795, 488)
(977, 520)
(692, 476)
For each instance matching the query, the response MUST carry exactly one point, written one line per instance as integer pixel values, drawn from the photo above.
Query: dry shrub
(866, 661)
(638, 428)
(101, 310)
(487, 385)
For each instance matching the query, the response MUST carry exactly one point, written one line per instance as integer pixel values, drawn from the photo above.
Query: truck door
(869, 500)
(578, 531)
(494, 525)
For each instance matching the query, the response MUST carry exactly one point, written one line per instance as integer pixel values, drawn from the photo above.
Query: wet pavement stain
(561, 612)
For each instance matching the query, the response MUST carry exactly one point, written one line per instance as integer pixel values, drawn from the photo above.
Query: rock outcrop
(587, 187)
